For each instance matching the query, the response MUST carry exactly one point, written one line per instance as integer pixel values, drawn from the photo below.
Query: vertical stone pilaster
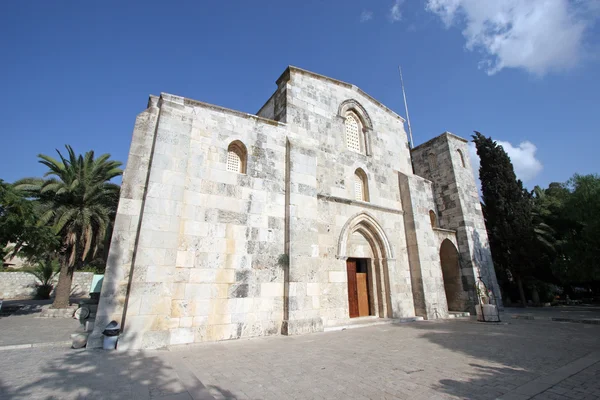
(148, 309)
(426, 274)
(115, 287)
(303, 245)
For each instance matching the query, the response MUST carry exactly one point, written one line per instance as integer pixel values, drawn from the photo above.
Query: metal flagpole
(406, 108)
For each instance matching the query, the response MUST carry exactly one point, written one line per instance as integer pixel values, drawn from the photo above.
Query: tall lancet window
(361, 186)
(354, 134)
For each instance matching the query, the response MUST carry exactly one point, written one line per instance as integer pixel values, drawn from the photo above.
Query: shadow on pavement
(55, 373)
(509, 354)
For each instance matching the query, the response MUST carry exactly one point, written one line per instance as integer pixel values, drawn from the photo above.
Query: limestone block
(312, 289)
(337, 276)
(181, 336)
(271, 289)
(219, 319)
(200, 291)
(155, 305)
(202, 275)
(199, 320)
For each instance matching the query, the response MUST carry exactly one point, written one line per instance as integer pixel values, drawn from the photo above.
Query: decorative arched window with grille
(237, 157)
(461, 158)
(361, 186)
(354, 133)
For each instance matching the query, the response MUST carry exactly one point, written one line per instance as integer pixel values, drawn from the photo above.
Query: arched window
(237, 157)
(361, 186)
(354, 133)
(433, 218)
(461, 158)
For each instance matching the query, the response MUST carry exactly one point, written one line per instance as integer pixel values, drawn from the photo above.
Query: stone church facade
(313, 214)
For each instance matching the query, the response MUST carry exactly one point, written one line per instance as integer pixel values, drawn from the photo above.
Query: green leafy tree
(78, 201)
(19, 227)
(572, 213)
(508, 213)
(582, 248)
(549, 228)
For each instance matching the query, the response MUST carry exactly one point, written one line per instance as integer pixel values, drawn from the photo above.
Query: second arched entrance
(452, 277)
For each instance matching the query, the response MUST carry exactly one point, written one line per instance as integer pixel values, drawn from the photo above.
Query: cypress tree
(507, 211)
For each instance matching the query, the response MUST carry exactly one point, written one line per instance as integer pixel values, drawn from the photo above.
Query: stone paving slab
(445, 360)
(424, 360)
(29, 330)
(25, 329)
(574, 314)
(57, 373)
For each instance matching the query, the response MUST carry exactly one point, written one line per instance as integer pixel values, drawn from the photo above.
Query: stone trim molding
(444, 230)
(368, 226)
(166, 97)
(364, 204)
(446, 133)
(353, 105)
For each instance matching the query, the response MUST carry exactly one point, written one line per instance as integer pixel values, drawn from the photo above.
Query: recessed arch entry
(366, 249)
(453, 287)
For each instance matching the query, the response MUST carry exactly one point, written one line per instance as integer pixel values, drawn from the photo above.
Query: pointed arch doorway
(452, 278)
(366, 249)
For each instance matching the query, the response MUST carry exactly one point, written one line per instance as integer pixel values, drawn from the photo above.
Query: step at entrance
(458, 314)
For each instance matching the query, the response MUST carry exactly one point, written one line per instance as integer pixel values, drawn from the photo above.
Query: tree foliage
(507, 211)
(572, 212)
(44, 271)
(19, 226)
(549, 235)
(78, 201)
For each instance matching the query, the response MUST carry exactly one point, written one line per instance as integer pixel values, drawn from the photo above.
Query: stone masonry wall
(325, 193)
(207, 241)
(21, 285)
(423, 247)
(445, 161)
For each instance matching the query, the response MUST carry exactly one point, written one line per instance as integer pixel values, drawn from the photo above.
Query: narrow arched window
(461, 158)
(361, 186)
(354, 134)
(432, 161)
(236, 157)
(433, 218)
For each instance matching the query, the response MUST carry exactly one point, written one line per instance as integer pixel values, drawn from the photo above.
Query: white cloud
(366, 16)
(536, 35)
(523, 158)
(395, 12)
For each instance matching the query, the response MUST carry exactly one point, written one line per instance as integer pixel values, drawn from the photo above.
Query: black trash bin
(111, 335)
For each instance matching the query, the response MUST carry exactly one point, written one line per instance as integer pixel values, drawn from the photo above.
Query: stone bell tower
(444, 160)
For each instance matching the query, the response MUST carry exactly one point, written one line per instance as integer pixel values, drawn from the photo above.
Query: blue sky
(526, 73)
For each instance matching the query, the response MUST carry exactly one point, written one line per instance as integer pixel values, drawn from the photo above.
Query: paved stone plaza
(520, 359)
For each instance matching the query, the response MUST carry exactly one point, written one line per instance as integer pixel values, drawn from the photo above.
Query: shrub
(44, 271)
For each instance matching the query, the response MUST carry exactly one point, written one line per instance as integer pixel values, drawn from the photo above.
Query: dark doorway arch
(451, 273)
(364, 226)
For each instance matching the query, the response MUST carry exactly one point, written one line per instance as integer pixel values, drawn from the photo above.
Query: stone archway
(379, 254)
(452, 279)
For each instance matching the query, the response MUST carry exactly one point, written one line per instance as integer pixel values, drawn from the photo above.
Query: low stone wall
(21, 285)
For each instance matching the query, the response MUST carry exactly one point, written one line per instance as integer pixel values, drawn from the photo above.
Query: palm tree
(79, 202)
